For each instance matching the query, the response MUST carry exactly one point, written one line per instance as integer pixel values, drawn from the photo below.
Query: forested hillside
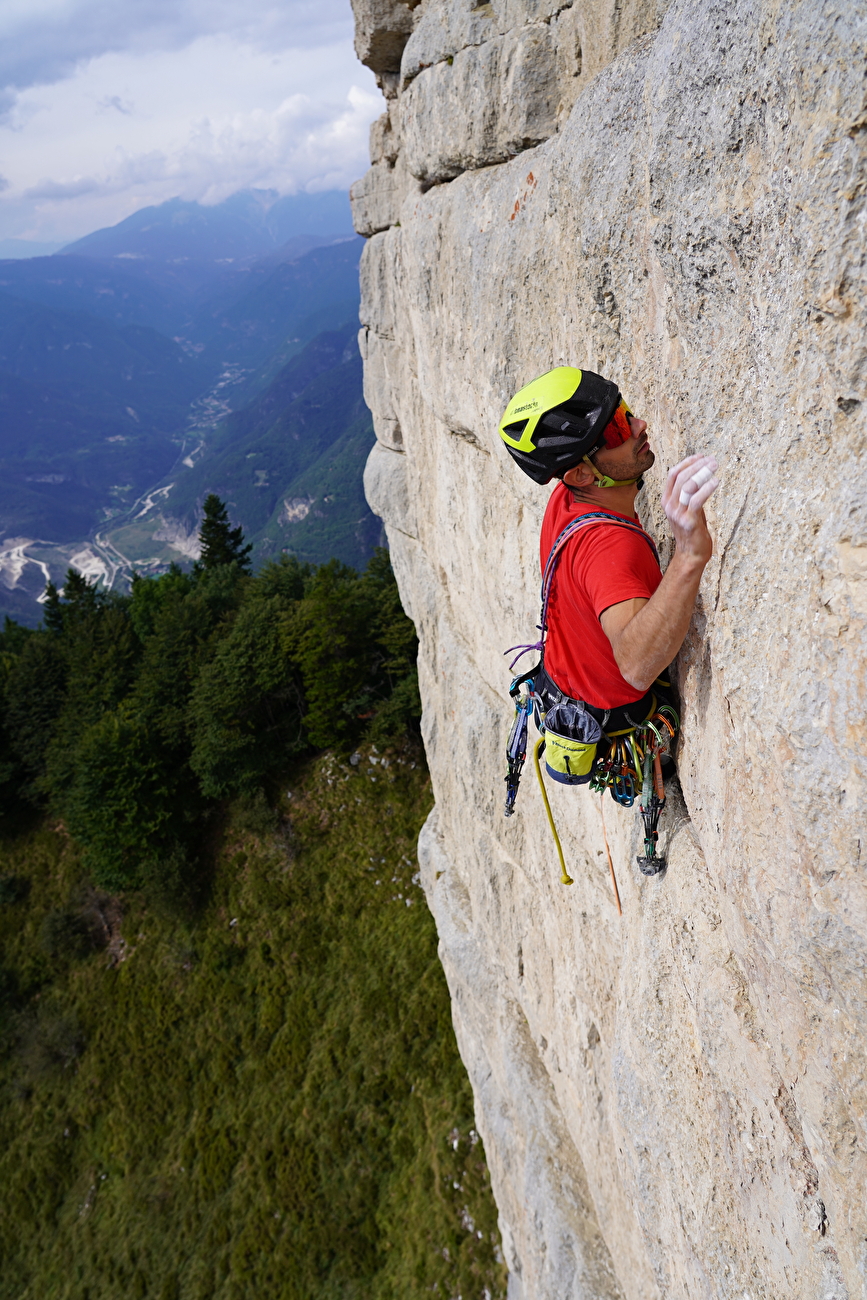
(122, 363)
(130, 716)
(228, 1066)
(89, 410)
(291, 461)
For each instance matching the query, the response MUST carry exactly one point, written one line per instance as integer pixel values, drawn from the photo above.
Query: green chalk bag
(571, 738)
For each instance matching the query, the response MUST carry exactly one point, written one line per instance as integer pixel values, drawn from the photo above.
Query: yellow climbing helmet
(559, 420)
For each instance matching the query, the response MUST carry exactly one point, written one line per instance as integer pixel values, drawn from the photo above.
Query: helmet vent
(554, 441)
(515, 430)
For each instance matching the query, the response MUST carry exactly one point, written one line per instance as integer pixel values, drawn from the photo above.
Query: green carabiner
(666, 708)
(651, 726)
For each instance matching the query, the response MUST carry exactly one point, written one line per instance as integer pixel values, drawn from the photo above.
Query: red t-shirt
(600, 566)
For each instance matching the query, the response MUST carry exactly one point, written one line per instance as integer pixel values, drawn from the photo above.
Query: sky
(107, 106)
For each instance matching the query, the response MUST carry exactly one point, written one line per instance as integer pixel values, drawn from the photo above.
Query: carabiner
(651, 726)
(623, 787)
(662, 711)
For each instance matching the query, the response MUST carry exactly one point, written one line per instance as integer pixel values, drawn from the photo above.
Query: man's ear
(578, 476)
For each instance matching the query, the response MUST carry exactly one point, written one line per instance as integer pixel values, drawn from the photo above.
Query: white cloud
(273, 99)
(42, 41)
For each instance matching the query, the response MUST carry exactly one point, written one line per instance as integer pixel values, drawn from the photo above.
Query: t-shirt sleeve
(611, 565)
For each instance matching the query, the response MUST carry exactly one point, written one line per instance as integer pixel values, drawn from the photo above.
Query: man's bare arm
(645, 635)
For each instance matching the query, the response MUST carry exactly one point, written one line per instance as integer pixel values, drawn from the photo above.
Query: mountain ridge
(248, 224)
(116, 380)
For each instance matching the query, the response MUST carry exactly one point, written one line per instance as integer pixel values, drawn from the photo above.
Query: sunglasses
(618, 430)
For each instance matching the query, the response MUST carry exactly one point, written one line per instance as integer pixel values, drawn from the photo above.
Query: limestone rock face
(674, 1104)
(381, 31)
(481, 83)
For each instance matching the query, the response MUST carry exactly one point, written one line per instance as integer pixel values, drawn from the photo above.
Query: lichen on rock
(673, 1104)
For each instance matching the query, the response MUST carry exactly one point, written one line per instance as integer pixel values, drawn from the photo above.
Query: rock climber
(612, 622)
(615, 622)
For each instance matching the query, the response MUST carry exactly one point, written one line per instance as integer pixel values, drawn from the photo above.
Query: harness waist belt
(614, 721)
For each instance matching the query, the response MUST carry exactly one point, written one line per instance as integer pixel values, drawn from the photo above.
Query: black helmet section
(562, 434)
(529, 463)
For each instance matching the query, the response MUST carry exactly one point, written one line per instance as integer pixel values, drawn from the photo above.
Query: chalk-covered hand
(687, 488)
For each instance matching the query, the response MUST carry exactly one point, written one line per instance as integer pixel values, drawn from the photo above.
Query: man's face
(631, 459)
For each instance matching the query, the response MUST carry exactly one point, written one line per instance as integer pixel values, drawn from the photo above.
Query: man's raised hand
(687, 488)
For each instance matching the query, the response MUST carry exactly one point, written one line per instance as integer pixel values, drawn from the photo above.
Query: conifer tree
(220, 543)
(52, 611)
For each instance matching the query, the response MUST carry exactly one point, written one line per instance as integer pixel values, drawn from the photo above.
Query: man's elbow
(635, 674)
(638, 681)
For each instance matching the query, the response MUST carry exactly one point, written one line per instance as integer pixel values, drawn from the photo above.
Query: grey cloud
(46, 47)
(63, 189)
(115, 102)
(140, 169)
(4, 184)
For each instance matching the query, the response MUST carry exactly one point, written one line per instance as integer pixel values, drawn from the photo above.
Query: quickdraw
(516, 747)
(634, 762)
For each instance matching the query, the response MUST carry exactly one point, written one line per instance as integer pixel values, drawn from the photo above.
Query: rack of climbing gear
(516, 746)
(632, 767)
(627, 764)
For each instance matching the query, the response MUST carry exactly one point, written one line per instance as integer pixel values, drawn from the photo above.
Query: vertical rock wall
(673, 1103)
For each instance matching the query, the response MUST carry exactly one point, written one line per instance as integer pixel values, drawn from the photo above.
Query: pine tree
(52, 612)
(220, 543)
(78, 599)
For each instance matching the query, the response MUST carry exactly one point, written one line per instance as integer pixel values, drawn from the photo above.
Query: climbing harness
(584, 745)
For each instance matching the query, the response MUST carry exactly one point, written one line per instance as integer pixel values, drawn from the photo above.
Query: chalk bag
(571, 737)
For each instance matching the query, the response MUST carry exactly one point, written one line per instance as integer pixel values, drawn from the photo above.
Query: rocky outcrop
(673, 1103)
(471, 84)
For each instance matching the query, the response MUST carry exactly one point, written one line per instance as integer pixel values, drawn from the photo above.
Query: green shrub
(49, 1041)
(255, 1089)
(67, 935)
(13, 889)
(262, 1098)
(121, 803)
